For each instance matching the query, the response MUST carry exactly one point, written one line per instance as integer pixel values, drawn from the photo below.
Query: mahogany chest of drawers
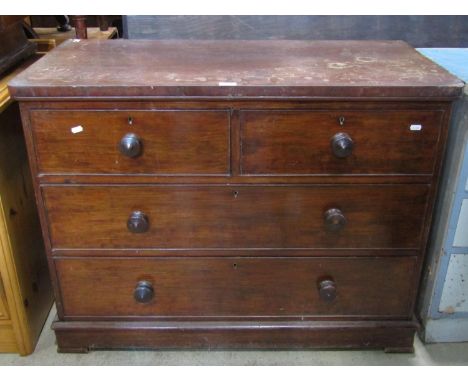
(235, 194)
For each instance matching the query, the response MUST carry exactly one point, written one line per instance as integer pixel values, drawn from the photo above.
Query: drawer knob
(342, 145)
(327, 290)
(130, 145)
(143, 292)
(334, 219)
(138, 222)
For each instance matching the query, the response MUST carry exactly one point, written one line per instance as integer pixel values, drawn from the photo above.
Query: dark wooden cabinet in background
(235, 194)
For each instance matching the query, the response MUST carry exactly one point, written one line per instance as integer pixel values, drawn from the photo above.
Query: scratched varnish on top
(88, 68)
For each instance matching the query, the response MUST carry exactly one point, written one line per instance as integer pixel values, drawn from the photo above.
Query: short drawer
(346, 216)
(162, 142)
(236, 286)
(334, 142)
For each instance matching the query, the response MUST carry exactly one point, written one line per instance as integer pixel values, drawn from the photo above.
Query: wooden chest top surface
(227, 68)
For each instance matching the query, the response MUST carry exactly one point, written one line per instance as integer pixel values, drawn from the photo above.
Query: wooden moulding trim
(197, 104)
(142, 97)
(392, 336)
(231, 325)
(214, 253)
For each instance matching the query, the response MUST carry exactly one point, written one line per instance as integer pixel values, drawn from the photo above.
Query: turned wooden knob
(137, 222)
(342, 145)
(327, 290)
(143, 292)
(334, 220)
(130, 145)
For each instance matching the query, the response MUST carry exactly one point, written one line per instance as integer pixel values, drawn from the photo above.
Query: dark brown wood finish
(380, 69)
(82, 336)
(224, 217)
(237, 252)
(235, 106)
(299, 142)
(172, 142)
(198, 142)
(236, 203)
(235, 287)
(432, 197)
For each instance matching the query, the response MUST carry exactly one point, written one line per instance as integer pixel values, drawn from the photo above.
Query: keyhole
(234, 265)
(341, 120)
(130, 120)
(236, 194)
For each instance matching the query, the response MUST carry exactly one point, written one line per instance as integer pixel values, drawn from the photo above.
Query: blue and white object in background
(443, 303)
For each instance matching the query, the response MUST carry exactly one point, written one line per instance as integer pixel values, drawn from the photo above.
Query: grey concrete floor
(46, 354)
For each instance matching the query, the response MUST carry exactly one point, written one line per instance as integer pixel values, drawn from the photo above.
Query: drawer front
(236, 286)
(153, 142)
(369, 142)
(357, 216)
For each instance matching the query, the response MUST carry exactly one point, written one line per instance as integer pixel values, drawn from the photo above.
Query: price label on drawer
(76, 129)
(415, 127)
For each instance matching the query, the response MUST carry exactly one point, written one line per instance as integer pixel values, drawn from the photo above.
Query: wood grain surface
(171, 68)
(298, 142)
(241, 287)
(82, 336)
(237, 207)
(173, 142)
(235, 216)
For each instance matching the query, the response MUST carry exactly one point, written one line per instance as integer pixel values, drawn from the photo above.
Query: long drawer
(166, 142)
(339, 142)
(345, 216)
(235, 286)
